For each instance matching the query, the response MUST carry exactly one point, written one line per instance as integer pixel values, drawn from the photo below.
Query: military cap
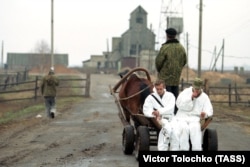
(171, 31)
(198, 83)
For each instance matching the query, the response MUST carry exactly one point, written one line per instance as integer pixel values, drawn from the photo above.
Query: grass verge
(31, 110)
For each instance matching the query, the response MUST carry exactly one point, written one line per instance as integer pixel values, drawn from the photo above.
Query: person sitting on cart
(193, 105)
(161, 104)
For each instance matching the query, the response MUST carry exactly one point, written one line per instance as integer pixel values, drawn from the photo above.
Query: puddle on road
(81, 163)
(101, 161)
(106, 95)
(67, 122)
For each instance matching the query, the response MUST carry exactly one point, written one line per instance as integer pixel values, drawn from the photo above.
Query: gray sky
(82, 27)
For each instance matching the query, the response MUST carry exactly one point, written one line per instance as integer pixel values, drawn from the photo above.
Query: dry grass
(215, 79)
(212, 76)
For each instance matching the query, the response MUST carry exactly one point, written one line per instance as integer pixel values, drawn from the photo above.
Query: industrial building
(135, 47)
(17, 61)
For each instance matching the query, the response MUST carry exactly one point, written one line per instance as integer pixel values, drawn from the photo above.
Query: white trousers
(189, 130)
(167, 140)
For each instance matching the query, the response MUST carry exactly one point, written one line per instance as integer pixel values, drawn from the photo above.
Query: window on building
(139, 20)
(133, 49)
(98, 65)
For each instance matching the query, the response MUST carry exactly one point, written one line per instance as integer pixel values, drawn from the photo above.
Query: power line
(228, 56)
(240, 27)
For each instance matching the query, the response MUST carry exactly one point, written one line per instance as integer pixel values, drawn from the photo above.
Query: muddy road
(90, 134)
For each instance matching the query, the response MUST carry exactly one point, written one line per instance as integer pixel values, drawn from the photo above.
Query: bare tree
(43, 49)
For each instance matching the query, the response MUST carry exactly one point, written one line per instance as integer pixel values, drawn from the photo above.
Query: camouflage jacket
(48, 85)
(170, 61)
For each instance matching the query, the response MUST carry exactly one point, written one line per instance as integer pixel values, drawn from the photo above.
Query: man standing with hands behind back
(170, 61)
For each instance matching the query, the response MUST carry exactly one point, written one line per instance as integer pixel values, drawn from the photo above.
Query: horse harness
(126, 98)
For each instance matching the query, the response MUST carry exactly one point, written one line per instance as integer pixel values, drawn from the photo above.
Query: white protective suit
(167, 113)
(188, 117)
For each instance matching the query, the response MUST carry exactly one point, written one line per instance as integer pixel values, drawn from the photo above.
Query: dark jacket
(170, 61)
(48, 85)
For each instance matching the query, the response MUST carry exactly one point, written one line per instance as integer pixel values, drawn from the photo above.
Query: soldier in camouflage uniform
(170, 62)
(48, 90)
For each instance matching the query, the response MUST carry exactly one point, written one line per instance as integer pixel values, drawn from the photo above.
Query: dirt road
(90, 135)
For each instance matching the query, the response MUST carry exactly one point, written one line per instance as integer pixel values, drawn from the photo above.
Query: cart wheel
(128, 138)
(210, 140)
(142, 140)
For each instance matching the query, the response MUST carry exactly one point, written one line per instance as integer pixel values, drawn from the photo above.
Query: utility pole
(221, 52)
(107, 55)
(213, 58)
(222, 63)
(200, 39)
(52, 33)
(137, 55)
(2, 66)
(187, 58)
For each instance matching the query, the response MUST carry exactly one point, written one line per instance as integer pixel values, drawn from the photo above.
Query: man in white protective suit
(193, 105)
(161, 104)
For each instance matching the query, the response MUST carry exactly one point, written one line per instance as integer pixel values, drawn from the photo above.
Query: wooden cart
(143, 132)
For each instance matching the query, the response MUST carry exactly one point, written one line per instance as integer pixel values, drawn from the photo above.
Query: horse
(133, 92)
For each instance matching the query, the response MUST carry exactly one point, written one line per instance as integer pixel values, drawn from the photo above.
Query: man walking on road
(48, 90)
(170, 62)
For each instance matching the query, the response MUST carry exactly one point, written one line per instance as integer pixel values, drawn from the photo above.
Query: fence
(227, 94)
(230, 94)
(11, 77)
(30, 89)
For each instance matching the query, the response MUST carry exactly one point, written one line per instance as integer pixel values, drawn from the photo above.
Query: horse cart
(141, 132)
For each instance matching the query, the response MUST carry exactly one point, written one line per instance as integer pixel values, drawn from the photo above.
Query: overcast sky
(83, 27)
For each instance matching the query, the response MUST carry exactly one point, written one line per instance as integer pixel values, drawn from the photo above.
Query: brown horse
(133, 92)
